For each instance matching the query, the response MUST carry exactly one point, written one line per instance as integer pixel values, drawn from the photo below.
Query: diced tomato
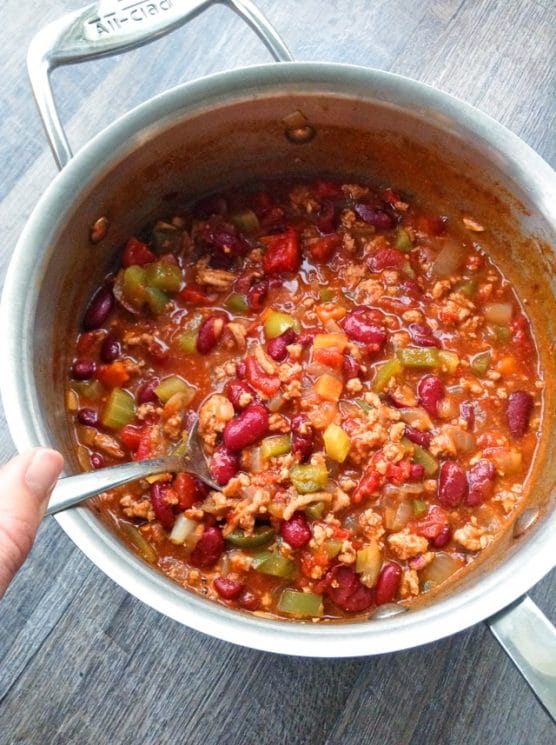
(398, 473)
(314, 563)
(391, 196)
(432, 224)
(386, 258)
(145, 446)
(282, 253)
(188, 490)
(136, 252)
(328, 190)
(521, 335)
(369, 484)
(259, 379)
(87, 341)
(195, 295)
(112, 375)
(329, 357)
(130, 436)
(324, 247)
(431, 525)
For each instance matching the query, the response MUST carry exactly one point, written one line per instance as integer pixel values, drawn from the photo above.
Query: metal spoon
(72, 490)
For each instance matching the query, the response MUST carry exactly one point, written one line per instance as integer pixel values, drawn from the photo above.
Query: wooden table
(82, 661)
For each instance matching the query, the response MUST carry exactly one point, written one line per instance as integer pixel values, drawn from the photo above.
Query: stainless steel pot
(227, 128)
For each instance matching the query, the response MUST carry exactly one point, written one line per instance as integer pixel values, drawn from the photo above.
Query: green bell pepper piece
(308, 478)
(419, 357)
(301, 604)
(274, 564)
(261, 536)
(385, 372)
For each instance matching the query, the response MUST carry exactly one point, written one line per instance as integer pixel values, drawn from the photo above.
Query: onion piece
(275, 403)
(449, 259)
(499, 313)
(183, 529)
(464, 441)
(448, 408)
(441, 567)
(416, 417)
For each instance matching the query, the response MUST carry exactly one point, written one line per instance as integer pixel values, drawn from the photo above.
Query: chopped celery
(89, 389)
(420, 507)
(480, 363)
(171, 385)
(449, 361)
(336, 443)
(302, 604)
(277, 322)
(326, 295)
(269, 562)
(163, 276)
(272, 447)
(497, 333)
(134, 284)
(403, 240)
(315, 511)
(467, 287)
(165, 237)
(119, 409)
(237, 303)
(419, 357)
(368, 563)
(422, 457)
(408, 270)
(157, 300)
(135, 536)
(261, 536)
(180, 448)
(245, 220)
(309, 478)
(386, 372)
(363, 405)
(187, 342)
(333, 548)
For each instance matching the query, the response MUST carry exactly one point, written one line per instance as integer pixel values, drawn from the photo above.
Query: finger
(25, 485)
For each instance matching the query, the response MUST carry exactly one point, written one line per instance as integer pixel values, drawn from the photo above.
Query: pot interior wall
(187, 154)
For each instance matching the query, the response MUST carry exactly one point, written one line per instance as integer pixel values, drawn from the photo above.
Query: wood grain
(82, 661)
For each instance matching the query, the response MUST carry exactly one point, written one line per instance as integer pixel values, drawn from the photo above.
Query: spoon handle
(71, 490)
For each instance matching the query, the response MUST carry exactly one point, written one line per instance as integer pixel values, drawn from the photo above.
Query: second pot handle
(112, 26)
(529, 639)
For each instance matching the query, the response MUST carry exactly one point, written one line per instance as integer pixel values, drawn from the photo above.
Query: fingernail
(42, 472)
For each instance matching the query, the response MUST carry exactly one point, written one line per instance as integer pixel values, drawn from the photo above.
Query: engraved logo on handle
(124, 16)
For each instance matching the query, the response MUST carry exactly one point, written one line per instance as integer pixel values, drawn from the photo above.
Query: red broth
(365, 381)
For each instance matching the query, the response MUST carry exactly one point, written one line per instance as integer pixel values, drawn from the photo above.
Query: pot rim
(447, 615)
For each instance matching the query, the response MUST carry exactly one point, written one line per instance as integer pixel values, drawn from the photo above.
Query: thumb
(25, 485)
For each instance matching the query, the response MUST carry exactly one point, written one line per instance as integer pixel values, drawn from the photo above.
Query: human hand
(25, 485)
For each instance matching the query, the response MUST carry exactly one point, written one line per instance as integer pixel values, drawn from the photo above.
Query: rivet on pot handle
(113, 26)
(529, 639)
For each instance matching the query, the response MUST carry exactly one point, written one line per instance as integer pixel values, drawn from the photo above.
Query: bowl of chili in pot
(342, 276)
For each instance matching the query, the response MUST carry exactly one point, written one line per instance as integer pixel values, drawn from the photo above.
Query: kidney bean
(350, 367)
(480, 479)
(306, 337)
(227, 588)
(467, 413)
(162, 510)
(302, 437)
(235, 389)
(419, 438)
(221, 261)
(247, 428)
(256, 295)
(452, 484)
(443, 538)
(210, 331)
(88, 417)
(386, 258)
(430, 390)
(83, 369)
(99, 309)
(344, 588)
(375, 217)
(416, 472)
(241, 369)
(224, 239)
(110, 349)
(296, 530)
(388, 583)
(518, 412)
(249, 600)
(431, 525)
(277, 347)
(361, 325)
(145, 393)
(410, 288)
(97, 461)
(224, 465)
(209, 548)
(422, 335)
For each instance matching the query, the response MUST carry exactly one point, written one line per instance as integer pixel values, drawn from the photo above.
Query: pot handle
(113, 26)
(529, 639)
